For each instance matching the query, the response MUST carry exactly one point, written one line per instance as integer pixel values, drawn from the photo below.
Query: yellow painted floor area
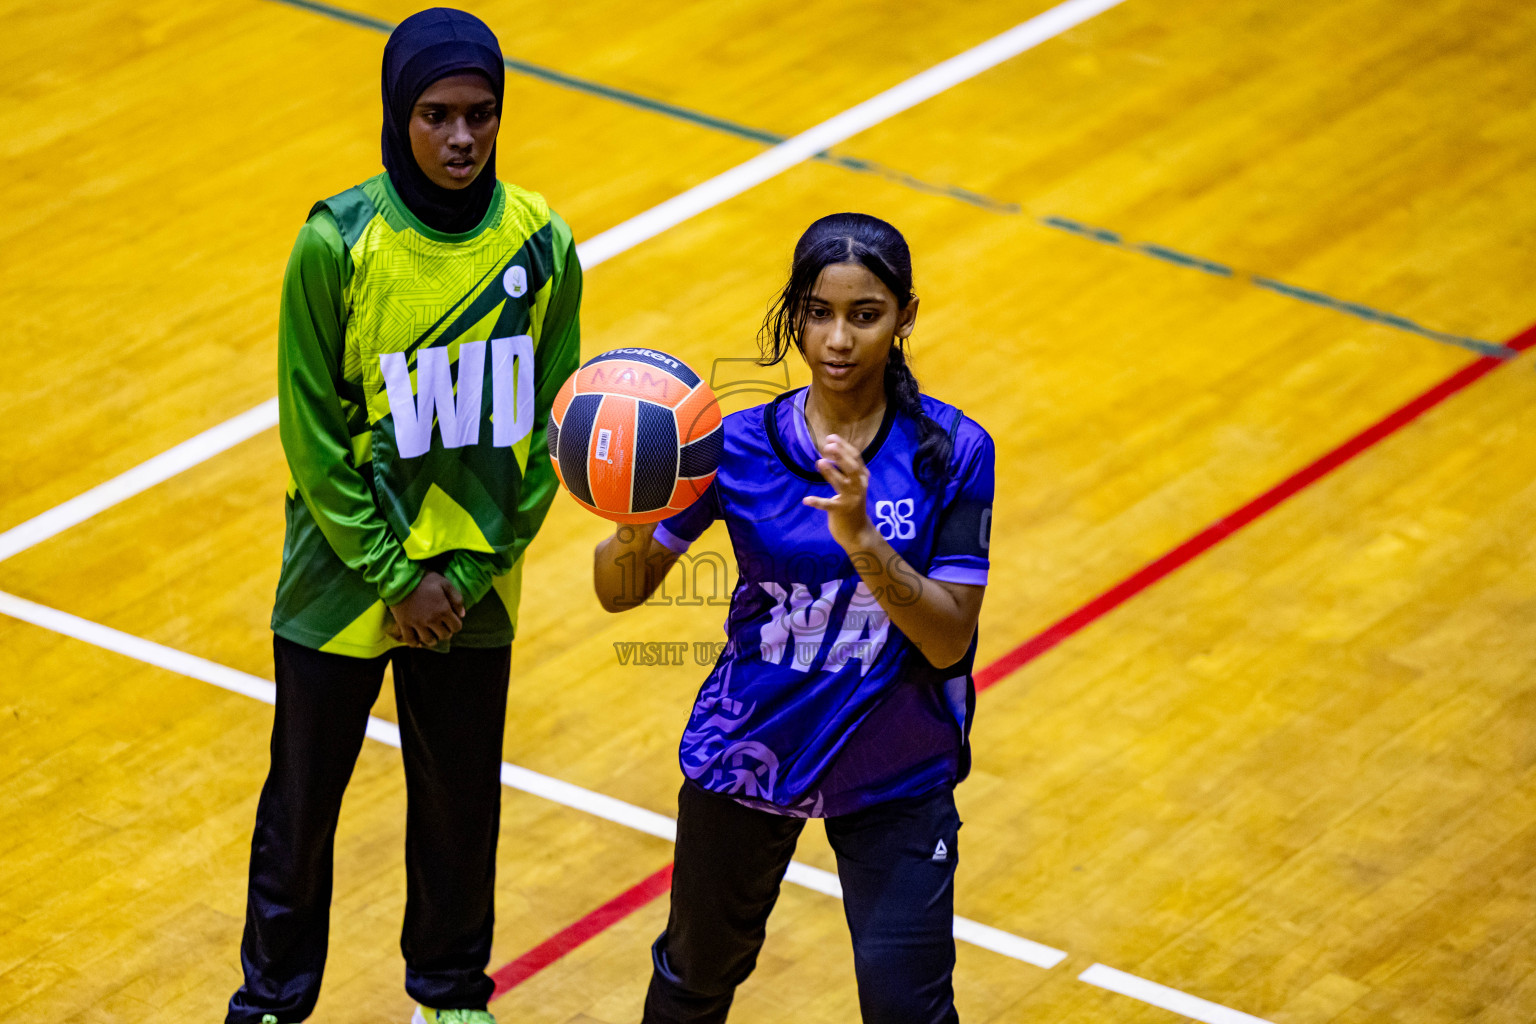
(1294, 778)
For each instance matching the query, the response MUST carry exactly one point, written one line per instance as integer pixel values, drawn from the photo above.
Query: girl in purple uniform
(859, 510)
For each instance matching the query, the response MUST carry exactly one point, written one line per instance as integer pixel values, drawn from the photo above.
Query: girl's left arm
(938, 616)
(556, 356)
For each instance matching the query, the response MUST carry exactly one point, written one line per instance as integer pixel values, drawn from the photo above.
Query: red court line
(1223, 528)
(595, 923)
(626, 903)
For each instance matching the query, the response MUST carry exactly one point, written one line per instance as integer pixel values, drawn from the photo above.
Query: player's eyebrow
(867, 300)
(435, 105)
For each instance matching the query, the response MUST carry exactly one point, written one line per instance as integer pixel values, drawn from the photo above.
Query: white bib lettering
(458, 414)
(511, 390)
(862, 634)
(796, 615)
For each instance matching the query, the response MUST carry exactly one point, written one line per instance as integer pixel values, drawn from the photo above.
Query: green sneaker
(427, 1015)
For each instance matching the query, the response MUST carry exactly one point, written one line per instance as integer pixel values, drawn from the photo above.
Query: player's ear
(907, 319)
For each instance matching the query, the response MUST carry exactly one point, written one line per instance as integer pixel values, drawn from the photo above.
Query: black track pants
(452, 708)
(898, 894)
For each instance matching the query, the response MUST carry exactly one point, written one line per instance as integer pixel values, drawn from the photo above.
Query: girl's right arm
(628, 567)
(317, 439)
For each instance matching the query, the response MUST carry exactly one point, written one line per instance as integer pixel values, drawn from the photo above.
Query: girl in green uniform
(428, 317)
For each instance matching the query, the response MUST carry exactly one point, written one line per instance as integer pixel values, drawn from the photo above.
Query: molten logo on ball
(635, 435)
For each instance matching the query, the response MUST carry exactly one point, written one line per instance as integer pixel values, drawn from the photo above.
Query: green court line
(1097, 234)
(1315, 298)
(1376, 316)
(560, 78)
(1184, 259)
(655, 106)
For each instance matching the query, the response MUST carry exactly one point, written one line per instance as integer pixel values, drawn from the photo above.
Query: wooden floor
(1297, 777)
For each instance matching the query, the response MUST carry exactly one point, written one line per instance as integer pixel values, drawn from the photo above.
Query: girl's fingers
(853, 484)
(843, 457)
(848, 458)
(832, 450)
(834, 476)
(849, 479)
(842, 466)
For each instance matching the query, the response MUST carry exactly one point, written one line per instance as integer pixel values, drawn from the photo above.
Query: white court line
(593, 252)
(512, 776)
(140, 478)
(602, 247)
(799, 148)
(1164, 997)
(610, 809)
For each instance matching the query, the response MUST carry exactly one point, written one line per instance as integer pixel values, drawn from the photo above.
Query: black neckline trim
(771, 425)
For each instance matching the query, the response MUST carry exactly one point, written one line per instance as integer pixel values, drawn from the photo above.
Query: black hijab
(423, 48)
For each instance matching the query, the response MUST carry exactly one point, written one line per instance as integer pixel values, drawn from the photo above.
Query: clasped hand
(429, 615)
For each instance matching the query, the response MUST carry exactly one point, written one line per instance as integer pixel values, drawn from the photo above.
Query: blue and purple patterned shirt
(818, 706)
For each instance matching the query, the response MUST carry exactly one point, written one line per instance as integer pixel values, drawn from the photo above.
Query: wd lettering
(458, 412)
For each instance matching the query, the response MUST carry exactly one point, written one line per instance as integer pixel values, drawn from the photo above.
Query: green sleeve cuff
(406, 577)
(472, 574)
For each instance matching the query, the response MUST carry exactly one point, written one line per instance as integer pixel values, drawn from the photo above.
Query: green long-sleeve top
(415, 376)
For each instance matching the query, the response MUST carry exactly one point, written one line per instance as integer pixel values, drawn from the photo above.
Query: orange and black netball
(635, 435)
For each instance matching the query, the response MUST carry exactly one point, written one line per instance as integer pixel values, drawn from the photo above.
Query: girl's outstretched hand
(843, 467)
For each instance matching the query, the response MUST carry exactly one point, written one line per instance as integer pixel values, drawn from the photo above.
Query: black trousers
(452, 708)
(898, 894)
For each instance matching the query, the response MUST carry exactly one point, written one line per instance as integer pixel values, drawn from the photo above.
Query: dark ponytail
(859, 238)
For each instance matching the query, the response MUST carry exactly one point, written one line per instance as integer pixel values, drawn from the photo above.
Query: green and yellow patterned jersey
(415, 376)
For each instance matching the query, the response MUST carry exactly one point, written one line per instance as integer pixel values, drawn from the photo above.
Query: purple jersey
(819, 706)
